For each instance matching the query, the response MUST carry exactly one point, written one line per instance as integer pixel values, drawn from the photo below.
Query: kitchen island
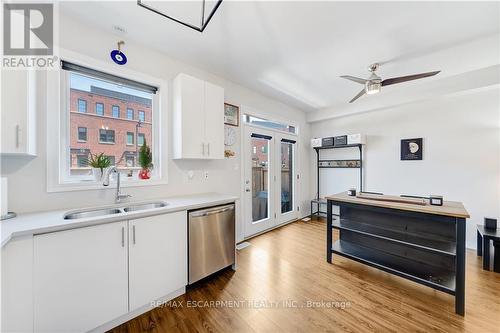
(422, 243)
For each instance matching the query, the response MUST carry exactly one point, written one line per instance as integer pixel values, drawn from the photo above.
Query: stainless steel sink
(150, 205)
(91, 213)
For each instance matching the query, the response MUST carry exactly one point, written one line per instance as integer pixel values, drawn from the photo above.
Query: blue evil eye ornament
(118, 56)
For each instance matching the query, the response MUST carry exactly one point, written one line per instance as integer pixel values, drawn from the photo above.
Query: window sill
(106, 143)
(93, 185)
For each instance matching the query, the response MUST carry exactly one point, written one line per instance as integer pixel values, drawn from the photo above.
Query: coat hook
(120, 43)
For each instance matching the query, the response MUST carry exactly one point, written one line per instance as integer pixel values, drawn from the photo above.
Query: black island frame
(423, 247)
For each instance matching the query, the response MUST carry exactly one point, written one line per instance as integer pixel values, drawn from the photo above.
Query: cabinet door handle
(208, 149)
(203, 148)
(123, 236)
(133, 234)
(17, 136)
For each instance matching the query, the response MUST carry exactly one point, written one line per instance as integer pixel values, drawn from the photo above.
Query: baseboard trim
(270, 229)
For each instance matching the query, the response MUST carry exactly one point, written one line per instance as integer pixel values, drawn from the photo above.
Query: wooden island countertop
(449, 208)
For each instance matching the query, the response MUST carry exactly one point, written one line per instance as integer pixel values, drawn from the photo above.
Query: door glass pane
(286, 177)
(260, 178)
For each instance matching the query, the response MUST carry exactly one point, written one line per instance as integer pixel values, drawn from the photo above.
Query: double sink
(110, 211)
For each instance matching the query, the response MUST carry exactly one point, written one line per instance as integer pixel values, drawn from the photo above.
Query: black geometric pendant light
(203, 22)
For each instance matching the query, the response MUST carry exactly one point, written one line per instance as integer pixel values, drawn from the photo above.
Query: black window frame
(107, 136)
(80, 157)
(78, 134)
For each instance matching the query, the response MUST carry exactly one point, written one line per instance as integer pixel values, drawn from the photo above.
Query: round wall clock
(229, 136)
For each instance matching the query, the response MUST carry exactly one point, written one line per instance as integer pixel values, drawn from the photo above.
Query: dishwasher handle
(216, 210)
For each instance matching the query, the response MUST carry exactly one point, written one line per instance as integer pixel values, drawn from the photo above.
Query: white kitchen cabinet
(18, 112)
(80, 278)
(214, 120)
(157, 257)
(198, 119)
(17, 285)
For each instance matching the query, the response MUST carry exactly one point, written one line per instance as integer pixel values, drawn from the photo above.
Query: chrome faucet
(119, 196)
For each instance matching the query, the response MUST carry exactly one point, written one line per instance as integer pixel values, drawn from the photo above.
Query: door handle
(17, 136)
(247, 190)
(133, 234)
(212, 212)
(203, 149)
(123, 236)
(208, 145)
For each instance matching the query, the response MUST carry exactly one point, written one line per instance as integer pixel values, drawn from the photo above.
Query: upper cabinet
(18, 112)
(198, 119)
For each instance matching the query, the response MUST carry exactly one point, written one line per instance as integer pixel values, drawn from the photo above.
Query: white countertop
(38, 223)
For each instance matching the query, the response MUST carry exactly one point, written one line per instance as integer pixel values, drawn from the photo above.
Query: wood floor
(285, 269)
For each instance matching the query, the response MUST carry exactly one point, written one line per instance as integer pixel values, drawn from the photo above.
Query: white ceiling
(296, 51)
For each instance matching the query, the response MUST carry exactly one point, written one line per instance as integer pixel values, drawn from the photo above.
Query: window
(95, 125)
(269, 124)
(129, 161)
(142, 116)
(115, 111)
(82, 134)
(140, 139)
(130, 114)
(82, 161)
(99, 109)
(82, 105)
(130, 138)
(106, 136)
(111, 159)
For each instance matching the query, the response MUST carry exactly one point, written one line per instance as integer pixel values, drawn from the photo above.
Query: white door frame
(274, 201)
(254, 227)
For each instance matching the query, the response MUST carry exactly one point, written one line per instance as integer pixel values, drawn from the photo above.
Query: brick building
(106, 121)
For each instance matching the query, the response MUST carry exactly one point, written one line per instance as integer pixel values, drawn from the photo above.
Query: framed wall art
(412, 149)
(231, 114)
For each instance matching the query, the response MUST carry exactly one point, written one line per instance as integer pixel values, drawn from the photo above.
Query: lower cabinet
(86, 277)
(157, 257)
(80, 278)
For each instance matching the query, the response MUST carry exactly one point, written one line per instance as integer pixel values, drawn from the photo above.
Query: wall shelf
(318, 201)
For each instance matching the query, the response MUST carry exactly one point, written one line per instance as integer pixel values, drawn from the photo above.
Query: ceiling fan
(375, 83)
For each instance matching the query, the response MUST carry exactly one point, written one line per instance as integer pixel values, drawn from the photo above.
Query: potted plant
(145, 161)
(98, 162)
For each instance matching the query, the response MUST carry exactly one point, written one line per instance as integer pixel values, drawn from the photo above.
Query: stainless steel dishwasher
(211, 237)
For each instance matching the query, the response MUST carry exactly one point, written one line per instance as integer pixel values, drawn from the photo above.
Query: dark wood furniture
(484, 238)
(425, 244)
(323, 164)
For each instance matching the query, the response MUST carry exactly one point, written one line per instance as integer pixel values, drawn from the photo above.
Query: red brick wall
(94, 122)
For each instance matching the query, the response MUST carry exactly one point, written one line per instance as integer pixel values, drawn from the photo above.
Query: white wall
(27, 177)
(461, 152)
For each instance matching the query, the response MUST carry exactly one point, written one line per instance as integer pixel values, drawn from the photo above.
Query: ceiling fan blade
(353, 78)
(361, 93)
(401, 79)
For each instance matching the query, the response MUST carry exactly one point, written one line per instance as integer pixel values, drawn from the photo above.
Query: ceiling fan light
(372, 88)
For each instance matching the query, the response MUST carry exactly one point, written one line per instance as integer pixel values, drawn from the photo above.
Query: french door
(270, 179)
